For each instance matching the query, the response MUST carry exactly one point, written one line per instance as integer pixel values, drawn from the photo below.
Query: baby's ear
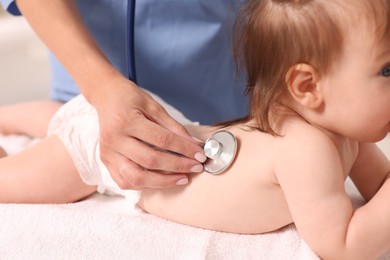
(302, 83)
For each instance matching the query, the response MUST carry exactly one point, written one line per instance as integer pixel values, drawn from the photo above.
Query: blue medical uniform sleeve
(10, 6)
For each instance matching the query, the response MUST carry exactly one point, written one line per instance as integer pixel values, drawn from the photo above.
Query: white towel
(103, 227)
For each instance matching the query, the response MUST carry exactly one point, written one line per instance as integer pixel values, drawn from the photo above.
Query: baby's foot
(3, 153)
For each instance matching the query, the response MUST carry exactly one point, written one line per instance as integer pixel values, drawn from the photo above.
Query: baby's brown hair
(271, 36)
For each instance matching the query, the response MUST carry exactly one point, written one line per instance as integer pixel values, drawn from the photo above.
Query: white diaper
(76, 124)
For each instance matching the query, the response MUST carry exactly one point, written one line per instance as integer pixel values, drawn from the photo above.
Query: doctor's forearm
(60, 27)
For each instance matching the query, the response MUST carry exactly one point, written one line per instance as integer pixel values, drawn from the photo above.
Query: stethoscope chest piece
(220, 150)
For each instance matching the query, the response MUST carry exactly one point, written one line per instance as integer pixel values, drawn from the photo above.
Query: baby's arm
(312, 177)
(370, 170)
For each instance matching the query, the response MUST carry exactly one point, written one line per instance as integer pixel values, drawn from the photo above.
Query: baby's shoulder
(305, 150)
(301, 137)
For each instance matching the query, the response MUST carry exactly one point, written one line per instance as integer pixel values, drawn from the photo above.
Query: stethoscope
(220, 149)
(130, 41)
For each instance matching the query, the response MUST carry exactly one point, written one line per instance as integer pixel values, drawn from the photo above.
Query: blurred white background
(24, 67)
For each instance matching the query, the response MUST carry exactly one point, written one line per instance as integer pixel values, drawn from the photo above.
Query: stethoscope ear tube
(220, 150)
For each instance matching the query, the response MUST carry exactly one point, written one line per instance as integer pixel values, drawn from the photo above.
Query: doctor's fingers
(160, 116)
(152, 158)
(130, 176)
(163, 139)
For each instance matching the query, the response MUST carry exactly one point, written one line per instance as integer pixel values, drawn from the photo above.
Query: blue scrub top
(182, 53)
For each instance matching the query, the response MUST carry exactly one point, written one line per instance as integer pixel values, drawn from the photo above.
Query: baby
(319, 83)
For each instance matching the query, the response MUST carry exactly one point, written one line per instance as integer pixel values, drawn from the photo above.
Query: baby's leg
(42, 173)
(30, 118)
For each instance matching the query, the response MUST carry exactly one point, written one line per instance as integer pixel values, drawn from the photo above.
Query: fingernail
(197, 168)
(200, 157)
(183, 181)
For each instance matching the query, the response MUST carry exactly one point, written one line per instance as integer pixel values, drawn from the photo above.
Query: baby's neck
(313, 118)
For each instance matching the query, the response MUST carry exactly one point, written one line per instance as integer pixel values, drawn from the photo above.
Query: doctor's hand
(131, 122)
(136, 132)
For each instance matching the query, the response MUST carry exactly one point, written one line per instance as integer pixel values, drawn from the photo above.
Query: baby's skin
(247, 198)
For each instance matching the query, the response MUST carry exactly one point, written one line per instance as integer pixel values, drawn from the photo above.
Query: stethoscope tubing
(130, 41)
(225, 139)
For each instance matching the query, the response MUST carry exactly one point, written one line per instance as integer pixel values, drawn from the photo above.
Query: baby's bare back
(244, 199)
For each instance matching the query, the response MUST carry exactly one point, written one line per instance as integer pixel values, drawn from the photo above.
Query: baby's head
(299, 52)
